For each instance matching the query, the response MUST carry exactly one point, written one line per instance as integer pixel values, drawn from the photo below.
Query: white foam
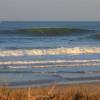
(17, 67)
(46, 63)
(57, 51)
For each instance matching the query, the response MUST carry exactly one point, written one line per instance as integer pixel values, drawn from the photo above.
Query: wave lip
(56, 51)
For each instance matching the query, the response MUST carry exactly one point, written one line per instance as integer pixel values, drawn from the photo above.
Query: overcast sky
(49, 9)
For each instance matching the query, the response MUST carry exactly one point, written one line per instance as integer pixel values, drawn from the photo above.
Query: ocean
(36, 60)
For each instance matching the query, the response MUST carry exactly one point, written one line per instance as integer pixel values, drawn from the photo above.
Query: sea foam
(56, 51)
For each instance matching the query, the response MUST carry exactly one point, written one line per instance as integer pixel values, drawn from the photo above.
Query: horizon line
(51, 20)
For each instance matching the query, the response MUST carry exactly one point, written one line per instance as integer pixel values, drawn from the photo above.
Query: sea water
(43, 60)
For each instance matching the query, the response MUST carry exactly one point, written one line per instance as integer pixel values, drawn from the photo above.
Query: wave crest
(50, 63)
(56, 51)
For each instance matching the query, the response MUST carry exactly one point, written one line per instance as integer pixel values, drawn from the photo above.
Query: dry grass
(69, 92)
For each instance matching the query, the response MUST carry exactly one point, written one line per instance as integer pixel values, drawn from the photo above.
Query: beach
(49, 49)
(49, 60)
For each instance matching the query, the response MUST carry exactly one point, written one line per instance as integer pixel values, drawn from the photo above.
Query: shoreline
(60, 84)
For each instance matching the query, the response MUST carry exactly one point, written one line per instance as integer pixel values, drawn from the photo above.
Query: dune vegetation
(69, 92)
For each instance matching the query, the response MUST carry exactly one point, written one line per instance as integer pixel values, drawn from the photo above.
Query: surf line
(56, 51)
(69, 62)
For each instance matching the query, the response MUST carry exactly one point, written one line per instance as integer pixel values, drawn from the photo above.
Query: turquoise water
(38, 60)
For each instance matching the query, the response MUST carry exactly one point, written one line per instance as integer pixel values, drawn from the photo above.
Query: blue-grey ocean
(27, 60)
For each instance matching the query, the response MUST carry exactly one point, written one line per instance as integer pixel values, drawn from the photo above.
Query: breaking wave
(50, 63)
(46, 31)
(56, 51)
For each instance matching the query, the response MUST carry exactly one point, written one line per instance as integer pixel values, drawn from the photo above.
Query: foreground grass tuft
(71, 92)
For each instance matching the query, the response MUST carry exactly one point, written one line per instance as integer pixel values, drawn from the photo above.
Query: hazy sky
(49, 9)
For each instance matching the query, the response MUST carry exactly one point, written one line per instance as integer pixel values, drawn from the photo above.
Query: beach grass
(54, 92)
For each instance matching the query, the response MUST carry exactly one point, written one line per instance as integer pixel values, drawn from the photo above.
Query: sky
(40, 10)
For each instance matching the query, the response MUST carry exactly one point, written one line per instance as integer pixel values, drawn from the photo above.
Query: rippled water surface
(38, 60)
